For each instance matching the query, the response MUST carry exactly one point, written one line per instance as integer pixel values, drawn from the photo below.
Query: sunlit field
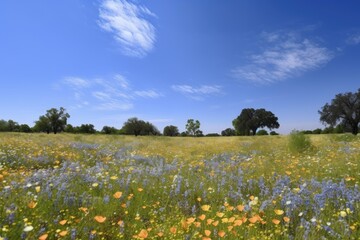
(122, 187)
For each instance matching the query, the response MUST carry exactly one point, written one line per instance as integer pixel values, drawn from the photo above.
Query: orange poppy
(173, 230)
(32, 204)
(202, 217)
(63, 222)
(205, 208)
(221, 233)
(143, 234)
(240, 208)
(117, 195)
(276, 221)
(100, 219)
(43, 237)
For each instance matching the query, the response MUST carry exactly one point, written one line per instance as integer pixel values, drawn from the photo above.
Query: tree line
(341, 115)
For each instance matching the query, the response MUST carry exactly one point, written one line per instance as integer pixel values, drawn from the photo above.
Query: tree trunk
(254, 131)
(355, 129)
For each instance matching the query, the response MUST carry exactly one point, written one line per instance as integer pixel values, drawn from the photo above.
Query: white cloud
(122, 81)
(77, 82)
(114, 105)
(106, 94)
(354, 39)
(285, 56)
(197, 93)
(101, 95)
(148, 94)
(129, 25)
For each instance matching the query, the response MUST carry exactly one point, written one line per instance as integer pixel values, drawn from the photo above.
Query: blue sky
(167, 61)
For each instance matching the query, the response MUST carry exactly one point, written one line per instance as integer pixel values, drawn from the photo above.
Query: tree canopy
(250, 120)
(53, 121)
(193, 127)
(171, 131)
(344, 109)
(134, 126)
(228, 132)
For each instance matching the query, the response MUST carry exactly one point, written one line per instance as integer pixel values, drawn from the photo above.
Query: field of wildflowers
(121, 187)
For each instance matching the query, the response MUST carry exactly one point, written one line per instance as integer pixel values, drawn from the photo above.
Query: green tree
(134, 126)
(24, 128)
(193, 127)
(109, 130)
(262, 132)
(317, 131)
(53, 121)
(344, 109)
(250, 120)
(42, 125)
(228, 132)
(69, 128)
(12, 126)
(3, 126)
(171, 131)
(87, 128)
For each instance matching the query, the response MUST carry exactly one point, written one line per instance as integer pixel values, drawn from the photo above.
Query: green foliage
(212, 135)
(134, 126)
(54, 120)
(262, 132)
(69, 128)
(298, 142)
(273, 133)
(171, 131)
(109, 130)
(228, 132)
(9, 126)
(317, 131)
(250, 120)
(24, 128)
(86, 128)
(193, 128)
(344, 109)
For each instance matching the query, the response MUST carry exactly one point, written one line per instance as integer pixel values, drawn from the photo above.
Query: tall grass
(299, 142)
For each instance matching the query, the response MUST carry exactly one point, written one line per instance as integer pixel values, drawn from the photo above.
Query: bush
(262, 132)
(317, 131)
(298, 142)
(273, 133)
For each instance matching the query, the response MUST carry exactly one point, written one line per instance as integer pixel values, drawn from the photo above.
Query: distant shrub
(307, 132)
(299, 142)
(273, 133)
(317, 131)
(212, 135)
(262, 132)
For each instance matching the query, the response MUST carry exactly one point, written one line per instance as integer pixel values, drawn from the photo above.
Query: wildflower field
(120, 187)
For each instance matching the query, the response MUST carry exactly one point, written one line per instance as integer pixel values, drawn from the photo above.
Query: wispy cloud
(106, 94)
(285, 55)
(148, 94)
(77, 82)
(353, 39)
(197, 93)
(130, 25)
(114, 105)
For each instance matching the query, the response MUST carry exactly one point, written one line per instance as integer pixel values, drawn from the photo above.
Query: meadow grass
(68, 186)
